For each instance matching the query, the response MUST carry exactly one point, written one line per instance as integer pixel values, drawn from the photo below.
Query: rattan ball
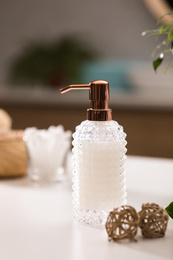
(153, 220)
(122, 223)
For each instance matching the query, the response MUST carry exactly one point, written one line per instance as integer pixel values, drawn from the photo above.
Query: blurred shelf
(147, 116)
(162, 99)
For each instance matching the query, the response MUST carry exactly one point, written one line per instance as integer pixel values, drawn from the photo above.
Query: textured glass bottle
(99, 148)
(99, 170)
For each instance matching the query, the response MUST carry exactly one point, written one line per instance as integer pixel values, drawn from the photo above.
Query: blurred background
(46, 44)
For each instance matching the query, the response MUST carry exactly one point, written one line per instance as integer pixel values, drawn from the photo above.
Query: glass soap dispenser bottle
(99, 159)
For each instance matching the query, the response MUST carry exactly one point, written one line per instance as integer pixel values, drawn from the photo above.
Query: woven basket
(13, 157)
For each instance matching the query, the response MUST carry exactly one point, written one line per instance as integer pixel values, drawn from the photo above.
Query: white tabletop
(36, 222)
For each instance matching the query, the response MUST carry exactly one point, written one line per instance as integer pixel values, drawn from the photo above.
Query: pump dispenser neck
(98, 96)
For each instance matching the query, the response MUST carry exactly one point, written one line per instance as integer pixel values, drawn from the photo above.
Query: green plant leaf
(166, 46)
(152, 33)
(163, 43)
(158, 61)
(171, 12)
(169, 209)
(164, 28)
(167, 50)
(170, 34)
(168, 67)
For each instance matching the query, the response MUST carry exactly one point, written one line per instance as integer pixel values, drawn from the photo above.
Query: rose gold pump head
(98, 96)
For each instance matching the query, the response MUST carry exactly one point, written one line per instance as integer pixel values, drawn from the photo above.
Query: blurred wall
(112, 26)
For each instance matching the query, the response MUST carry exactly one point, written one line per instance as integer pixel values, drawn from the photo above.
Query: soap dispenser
(99, 149)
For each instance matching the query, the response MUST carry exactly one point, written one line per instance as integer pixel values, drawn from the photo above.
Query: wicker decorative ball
(153, 220)
(122, 223)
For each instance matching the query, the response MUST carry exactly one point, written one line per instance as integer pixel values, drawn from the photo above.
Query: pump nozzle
(99, 96)
(75, 87)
